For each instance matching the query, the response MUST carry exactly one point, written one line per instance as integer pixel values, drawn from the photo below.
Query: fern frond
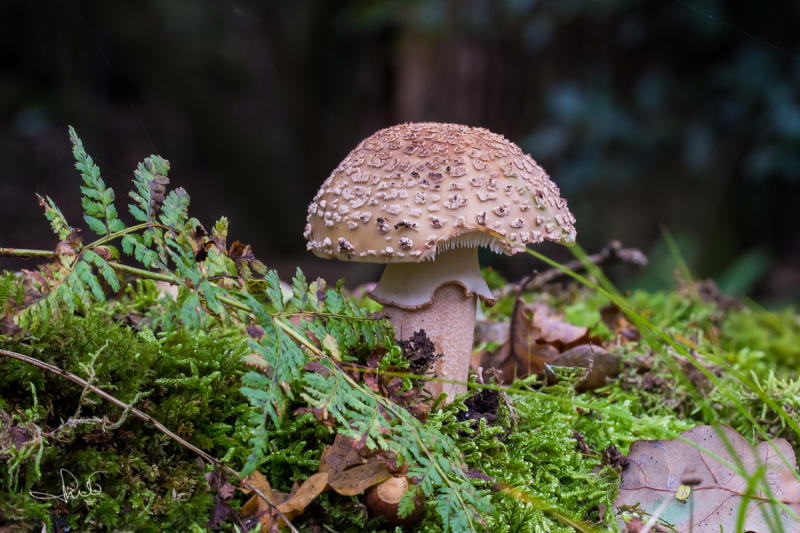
(8, 284)
(135, 245)
(98, 201)
(299, 290)
(174, 212)
(74, 286)
(105, 269)
(151, 184)
(56, 217)
(246, 263)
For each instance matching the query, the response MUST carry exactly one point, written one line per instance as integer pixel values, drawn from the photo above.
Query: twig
(612, 252)
(145, 418)
(47, 254)
(25, 254)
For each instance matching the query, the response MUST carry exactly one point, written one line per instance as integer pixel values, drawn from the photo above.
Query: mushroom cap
(411, 190)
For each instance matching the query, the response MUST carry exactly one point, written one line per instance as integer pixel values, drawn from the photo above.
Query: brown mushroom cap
(384, 499)
(414, 189)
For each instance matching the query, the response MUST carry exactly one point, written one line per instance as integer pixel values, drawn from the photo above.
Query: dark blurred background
(644, 113)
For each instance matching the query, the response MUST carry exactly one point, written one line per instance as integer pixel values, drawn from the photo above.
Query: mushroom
(384, 498)
(458, 188)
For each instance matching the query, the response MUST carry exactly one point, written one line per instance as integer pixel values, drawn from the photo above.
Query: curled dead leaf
(535, 338)
(298, 500)
(291, 505)
(349, 472)
(246, 263)
(68, 247)
(601, 364)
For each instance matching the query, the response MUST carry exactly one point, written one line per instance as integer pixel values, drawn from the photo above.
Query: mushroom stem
(450, 324)
(439, 297)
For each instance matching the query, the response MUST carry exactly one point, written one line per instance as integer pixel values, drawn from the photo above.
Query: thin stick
(146, 418)
(25, 254)
(612, 252)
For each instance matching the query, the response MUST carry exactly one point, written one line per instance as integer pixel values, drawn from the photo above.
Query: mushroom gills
(472, 239)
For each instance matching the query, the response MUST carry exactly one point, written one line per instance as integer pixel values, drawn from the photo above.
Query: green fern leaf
(274, 289)
(84, 273)
(98, 201)
(105, 269)
(174, 212)
(135, 245)
(56, 217)
(299, 290)
(151, 183)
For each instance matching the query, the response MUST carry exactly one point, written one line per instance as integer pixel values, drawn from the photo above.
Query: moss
(192, 383)
(188, 382)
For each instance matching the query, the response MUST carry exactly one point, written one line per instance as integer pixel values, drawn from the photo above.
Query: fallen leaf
(559, 334)
(359, 478)
(489, 331)
(602, 365)
(305, 494)
(637, 525)
(256, 504)
(338, 456)
(348, 472)
(291, 505)
(535, 338)
(656, 468)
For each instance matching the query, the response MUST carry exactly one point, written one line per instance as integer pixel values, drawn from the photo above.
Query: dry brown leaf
(338, 456)
(559, 334)
(359, 478)
(656, 468)
(291, 505)
(256, 504)
(298, 500)
(528, 351)
(601, 364)
(246, 263)
(488, 331)
(346, 472)
(534, 338)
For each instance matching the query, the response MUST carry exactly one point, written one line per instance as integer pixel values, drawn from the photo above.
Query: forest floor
(545, 439)
(229, 400)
